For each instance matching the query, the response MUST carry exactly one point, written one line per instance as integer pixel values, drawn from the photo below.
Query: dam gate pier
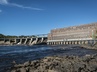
(38, 39)
(72, 42)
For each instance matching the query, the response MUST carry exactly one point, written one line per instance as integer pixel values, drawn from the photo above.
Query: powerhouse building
(81, 32)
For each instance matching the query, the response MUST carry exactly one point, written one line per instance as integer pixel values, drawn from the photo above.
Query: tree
(2, 36)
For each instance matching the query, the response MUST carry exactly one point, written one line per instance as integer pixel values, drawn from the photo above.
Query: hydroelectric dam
(37, 39)
(81, 34)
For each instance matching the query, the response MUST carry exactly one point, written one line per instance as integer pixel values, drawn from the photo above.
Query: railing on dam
(41, 35)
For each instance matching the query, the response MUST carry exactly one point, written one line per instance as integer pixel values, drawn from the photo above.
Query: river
(21, 54)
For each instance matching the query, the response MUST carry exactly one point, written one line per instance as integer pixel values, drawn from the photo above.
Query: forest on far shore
(11, 36)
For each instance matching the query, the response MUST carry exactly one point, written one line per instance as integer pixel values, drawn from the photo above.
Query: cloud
(6, 2)
(24, 7)
(3, 2)
(0, 11)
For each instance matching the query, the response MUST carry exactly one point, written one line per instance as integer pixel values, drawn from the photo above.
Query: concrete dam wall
(82, 34)
(23, 41)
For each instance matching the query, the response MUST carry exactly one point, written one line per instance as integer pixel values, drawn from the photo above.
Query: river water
(21, 54)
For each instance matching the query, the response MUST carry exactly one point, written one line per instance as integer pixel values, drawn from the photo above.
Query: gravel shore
(87, 63)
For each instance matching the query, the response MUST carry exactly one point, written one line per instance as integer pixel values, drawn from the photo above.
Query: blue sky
(29, 17)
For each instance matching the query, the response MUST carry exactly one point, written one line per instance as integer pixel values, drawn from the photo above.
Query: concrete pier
(24, 41)
(72, 42)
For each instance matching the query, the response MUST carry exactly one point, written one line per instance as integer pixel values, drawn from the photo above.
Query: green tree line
(9, 36)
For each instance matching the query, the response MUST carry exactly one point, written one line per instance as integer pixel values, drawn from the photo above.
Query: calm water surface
(20, 54)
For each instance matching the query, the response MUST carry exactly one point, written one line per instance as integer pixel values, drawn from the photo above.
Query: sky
(32, 17)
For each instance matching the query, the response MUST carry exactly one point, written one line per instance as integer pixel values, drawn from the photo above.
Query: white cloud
(3, 1)
(25, 7)
(0, 10)
(6, 2)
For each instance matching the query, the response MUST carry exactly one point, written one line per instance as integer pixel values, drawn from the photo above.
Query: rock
(31, 70)
(18, 65)
(27, 69)
(34, 62)
(52, 71)
(92, 68)
(45, 60)
(60, 64)
(27, 63)
(87, 55)
(22, 69)
(13, 71)
(14, 62)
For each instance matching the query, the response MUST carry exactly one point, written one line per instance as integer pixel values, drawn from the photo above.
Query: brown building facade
(86, 31)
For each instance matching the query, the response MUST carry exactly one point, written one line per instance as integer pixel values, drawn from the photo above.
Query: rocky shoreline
(90, 46)
(87, 63)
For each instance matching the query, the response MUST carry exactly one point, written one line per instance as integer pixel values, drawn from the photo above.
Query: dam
(82, 34)
(38, 39)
